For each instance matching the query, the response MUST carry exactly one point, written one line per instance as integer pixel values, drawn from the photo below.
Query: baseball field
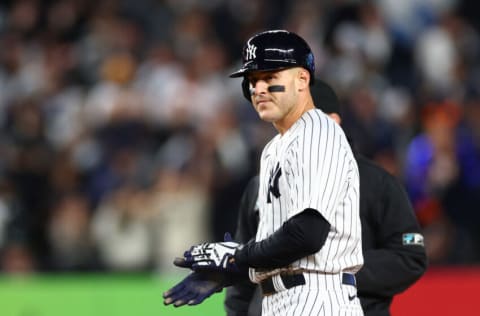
(94, 295)
(140, 295)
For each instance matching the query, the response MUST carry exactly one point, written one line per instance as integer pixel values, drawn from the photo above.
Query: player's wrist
(240, 257)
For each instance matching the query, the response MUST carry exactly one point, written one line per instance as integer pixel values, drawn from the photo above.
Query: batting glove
(211, 256)
(194, 289)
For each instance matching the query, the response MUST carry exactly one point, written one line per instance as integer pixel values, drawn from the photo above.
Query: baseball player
(308, 244)
(392, 243)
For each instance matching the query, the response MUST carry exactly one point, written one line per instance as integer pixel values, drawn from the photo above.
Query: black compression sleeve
(300, 236)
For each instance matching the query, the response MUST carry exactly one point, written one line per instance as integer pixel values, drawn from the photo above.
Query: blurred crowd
(123, 141)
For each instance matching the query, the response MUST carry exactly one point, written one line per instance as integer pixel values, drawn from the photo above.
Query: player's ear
(303, 78)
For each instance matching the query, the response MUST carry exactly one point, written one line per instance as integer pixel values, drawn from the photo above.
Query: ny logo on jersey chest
(273, 183)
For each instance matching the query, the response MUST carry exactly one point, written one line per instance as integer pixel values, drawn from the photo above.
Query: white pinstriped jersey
(312, 166)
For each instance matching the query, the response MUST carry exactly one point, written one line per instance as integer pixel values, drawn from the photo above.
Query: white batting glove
(213, 256)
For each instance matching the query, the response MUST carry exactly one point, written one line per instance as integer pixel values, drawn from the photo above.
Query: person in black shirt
(392, 244)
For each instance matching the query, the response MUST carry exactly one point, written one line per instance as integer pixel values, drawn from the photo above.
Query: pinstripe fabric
(323, 294)
(311, 166)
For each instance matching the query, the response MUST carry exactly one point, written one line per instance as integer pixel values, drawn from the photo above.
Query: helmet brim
(265, 66)
(242, 72)
(239, 73)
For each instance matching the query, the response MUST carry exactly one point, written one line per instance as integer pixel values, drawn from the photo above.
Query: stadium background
(122, 142)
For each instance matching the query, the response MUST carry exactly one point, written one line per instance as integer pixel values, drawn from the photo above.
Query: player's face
(273, 106)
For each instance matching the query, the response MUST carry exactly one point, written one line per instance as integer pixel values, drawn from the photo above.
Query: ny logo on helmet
(250, 52)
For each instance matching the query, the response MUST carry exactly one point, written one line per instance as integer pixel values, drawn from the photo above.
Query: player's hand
(195, 288)
(211, 256)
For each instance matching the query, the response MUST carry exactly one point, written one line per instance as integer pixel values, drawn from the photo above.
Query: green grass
(95, 295)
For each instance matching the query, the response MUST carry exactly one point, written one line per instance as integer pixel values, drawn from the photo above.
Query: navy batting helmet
(276, 49)
(272, 50)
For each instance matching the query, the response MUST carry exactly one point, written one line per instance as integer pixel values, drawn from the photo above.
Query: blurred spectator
(69, 234)
(179, 209)
(160, 79)
(122, 232)
(436, 58)
(442, 174)
(231, 171)
(370, 132)
(16, 258)
(24, 16)
(397, 109)
(6, 213)
(113, 98)
(117, 119)
(28, 170)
